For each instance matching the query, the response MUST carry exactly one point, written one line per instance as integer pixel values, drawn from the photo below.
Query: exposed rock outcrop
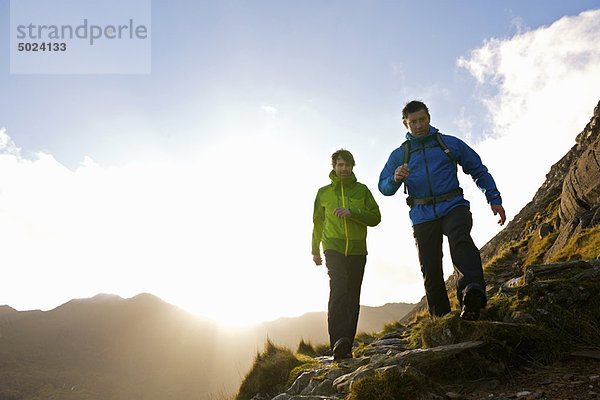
(580, 198)
(547, 311)
(574, 181)
(581, 188)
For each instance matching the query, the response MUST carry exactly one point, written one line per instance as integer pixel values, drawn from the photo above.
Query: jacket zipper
(428, 179)
(345, 225)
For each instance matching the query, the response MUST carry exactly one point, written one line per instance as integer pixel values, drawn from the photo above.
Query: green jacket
(347, 235)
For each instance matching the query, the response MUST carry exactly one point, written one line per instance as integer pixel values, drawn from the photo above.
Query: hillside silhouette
(313, 326)
(107, 347)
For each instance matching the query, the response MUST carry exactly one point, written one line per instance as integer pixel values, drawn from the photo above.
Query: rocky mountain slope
(539, 337)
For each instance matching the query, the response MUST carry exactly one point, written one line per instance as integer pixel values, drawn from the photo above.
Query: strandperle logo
(80, 36)
(84, 31)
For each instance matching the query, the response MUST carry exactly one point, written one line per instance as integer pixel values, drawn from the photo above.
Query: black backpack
(440, 142)
(438, 136)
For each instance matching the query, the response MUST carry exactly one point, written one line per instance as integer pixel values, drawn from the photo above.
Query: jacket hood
(336, 180)
(432, 131)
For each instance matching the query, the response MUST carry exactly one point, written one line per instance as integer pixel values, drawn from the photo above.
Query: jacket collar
(337, 180)
(432, 131)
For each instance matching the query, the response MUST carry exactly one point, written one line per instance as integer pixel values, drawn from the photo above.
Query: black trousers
(456, 225)
(345, 279)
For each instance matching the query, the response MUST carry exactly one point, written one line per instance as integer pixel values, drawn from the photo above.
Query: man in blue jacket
(437, 207)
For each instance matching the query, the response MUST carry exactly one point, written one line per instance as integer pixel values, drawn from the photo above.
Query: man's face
(342, 168)
(417, 123)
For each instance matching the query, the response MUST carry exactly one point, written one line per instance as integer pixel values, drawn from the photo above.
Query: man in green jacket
(343, 210)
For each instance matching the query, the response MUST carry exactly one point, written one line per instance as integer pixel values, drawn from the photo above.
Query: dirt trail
(576, 378)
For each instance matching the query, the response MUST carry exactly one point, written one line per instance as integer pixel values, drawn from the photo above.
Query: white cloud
(464, 123)
(540, 89)
(7, 145)
(202, 235)
(519, 24)
(269, 110)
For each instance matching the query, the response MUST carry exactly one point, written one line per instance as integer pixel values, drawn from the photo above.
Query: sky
(194, 179)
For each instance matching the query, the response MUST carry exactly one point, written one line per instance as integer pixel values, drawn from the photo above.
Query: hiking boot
(342, 349)
(472, 304)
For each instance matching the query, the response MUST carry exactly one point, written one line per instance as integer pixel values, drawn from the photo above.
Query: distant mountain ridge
(6, 310)
(107, 347)
(313, 326)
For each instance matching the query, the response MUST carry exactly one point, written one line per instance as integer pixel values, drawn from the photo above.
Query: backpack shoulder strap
(405, 152)
(405, 158)
(445, 147)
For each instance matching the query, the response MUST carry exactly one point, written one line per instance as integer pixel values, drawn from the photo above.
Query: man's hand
(317, 259)
(342, 212)
(401, 173)
(498, 209)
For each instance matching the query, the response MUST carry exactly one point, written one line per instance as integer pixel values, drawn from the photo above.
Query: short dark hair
(346, 156)
(412, 107)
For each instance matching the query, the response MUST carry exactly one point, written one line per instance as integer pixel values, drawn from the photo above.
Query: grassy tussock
(586, 246)
(392, 327)
(508, 260)
(269, 373)
(520, 341)
(221, 395)
(364, 337)
(537, 248)
(306, 348)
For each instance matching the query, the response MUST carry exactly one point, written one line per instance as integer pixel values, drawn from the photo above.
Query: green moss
(570, 308)
(419, 336)
(538, 247)
(503, 342)
(501, 308)
(585, 246)
(360, 349)
(512, 257)
(392, 385)
(269, 373)
(307, 364)
(363, 341)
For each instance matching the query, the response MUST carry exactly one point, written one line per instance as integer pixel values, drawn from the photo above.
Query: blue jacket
(432, 173)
